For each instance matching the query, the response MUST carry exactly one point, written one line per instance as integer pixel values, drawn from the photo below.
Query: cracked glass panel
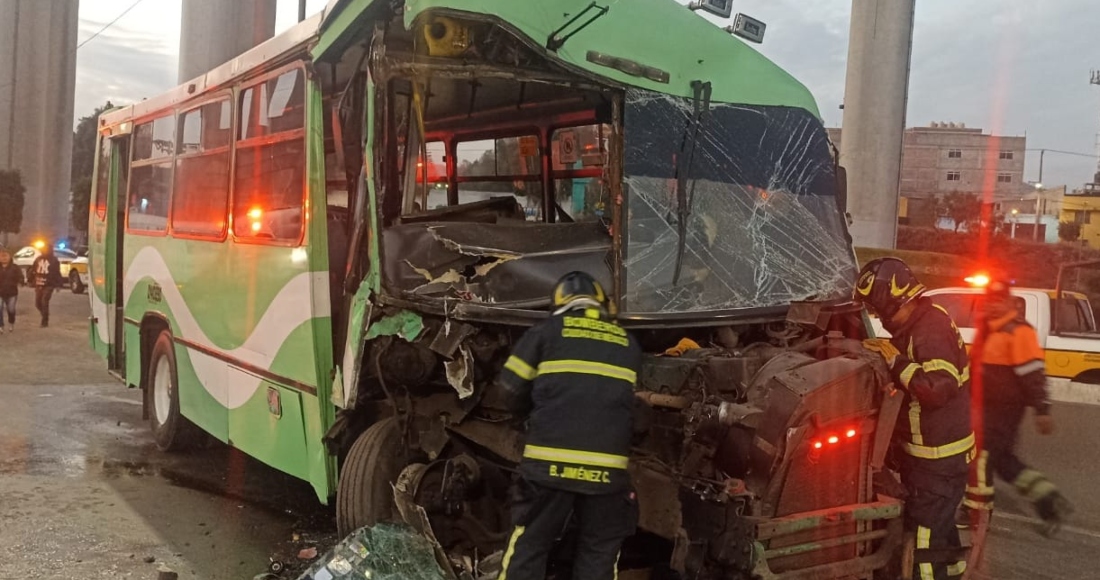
(382, 552)
(761, 222)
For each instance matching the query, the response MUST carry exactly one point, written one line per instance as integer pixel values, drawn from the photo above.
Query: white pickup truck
(1066, 328)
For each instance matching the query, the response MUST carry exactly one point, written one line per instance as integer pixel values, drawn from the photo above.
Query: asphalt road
(85, 494)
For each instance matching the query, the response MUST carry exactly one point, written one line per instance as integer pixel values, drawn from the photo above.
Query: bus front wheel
(171, 430)
(364, 495)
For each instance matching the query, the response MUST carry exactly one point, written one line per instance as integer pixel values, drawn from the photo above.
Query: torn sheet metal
(405, 324)
(492, 263)
(763, 224)
(460, 372)
(348, 373)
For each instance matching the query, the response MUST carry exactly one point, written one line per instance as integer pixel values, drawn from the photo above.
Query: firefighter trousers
(934, 498)
(1002, 431)
(540, 515)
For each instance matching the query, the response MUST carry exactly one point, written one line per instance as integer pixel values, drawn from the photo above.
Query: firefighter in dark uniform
(934, 442)
(1012, 370)
(576, 373)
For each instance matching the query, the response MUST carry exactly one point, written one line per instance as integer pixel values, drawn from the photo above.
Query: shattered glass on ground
(763, 227)
(381, 552)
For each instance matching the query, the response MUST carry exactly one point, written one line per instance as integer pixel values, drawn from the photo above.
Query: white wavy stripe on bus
(99, 316)
(288, 310)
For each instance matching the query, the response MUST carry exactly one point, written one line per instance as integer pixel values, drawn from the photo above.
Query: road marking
(1030, 520)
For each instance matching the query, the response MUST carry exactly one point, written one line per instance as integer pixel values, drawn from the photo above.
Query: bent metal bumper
(889, 532)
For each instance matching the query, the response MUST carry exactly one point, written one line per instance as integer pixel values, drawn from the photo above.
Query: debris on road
(382, 552)
(307, 553)
(166, 573)
(148, 559)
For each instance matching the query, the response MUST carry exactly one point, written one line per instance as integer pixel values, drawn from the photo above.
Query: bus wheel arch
(171, 430)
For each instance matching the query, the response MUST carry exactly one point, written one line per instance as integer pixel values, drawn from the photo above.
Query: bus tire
(364, 495)
(171, 430)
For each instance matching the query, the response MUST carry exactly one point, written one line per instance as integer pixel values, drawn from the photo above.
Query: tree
(11, 202)
(1069, 231)
(83, 167)
(962, 208)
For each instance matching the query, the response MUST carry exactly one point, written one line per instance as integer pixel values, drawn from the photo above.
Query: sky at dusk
(1013, 67)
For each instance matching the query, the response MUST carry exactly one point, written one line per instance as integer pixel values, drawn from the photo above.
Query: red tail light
(833, 439)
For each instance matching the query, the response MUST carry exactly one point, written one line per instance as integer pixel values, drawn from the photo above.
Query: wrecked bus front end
(761, 424)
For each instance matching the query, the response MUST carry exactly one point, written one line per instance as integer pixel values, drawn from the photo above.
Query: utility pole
(301, 10)
(875, 97)
(1094, 79)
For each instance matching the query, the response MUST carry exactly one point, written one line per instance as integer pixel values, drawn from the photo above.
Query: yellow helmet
(577, 289)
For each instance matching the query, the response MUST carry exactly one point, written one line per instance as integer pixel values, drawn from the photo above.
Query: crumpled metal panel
(492, 263)
(763, 227)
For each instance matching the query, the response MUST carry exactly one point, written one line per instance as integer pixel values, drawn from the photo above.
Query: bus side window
(269, 183)
(151, 180)
(102, 179)
(201, 199)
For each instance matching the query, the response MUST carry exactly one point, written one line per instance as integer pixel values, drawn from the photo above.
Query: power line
(1089, 155)
(109, 24)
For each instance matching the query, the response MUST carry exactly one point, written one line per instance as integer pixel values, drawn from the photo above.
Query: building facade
(949, 157)
(1083, 208)
(37, 85)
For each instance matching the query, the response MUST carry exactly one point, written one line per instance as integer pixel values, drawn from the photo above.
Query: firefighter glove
(884, 348)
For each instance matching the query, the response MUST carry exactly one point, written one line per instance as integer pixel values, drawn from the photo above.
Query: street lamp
(1014, 212)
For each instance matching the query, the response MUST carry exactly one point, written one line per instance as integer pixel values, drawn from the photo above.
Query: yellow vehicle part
(446, 36)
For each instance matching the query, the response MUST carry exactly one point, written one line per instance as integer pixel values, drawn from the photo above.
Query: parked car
(25, 257)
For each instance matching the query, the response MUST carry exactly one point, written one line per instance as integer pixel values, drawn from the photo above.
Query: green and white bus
(321, 252)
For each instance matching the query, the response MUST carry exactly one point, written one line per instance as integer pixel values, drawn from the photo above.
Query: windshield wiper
(553, 42)
(700, 105)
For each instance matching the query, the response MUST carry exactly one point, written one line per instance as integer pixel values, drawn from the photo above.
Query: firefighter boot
(1054, 509)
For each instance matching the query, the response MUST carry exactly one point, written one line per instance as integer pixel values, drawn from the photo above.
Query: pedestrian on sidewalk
(46, 271)
(10, 277)
(1012, 373)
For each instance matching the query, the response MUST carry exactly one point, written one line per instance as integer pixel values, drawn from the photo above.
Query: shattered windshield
(763, 227)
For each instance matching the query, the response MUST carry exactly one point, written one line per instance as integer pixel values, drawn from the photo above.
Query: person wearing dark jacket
(576, 373)
(46, 271)
(1011, 365)
(934, 442)
(10, 277)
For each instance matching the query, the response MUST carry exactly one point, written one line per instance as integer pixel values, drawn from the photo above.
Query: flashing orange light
(39, 244)
(255, 213)
(851, 433)
(833, 439)
(978, 280)
(255, 226)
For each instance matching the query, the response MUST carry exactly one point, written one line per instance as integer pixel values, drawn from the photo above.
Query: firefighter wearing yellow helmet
(575, 372)
(934, 440)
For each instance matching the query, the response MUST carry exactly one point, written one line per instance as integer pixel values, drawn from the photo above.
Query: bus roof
(655, 33)
(270, 52)
(695, 49)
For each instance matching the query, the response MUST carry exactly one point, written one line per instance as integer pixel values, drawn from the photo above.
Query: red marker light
(833, 439)
(817, 445)
(977, 280)
(851, 433)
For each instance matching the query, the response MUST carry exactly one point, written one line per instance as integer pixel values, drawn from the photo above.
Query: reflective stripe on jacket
(934, 371)
(1012, 363)
(577, 373)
